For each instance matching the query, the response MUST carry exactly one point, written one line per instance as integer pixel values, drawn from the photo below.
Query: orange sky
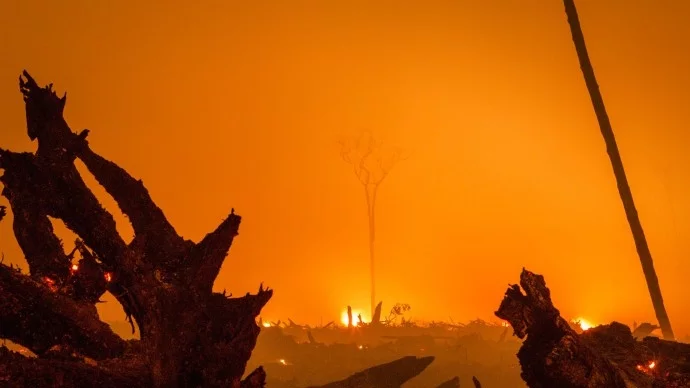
(239, 104)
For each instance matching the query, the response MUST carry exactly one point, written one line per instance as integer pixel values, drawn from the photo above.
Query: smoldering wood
(17, 370)
(189, 334)
(33, 315)
(554, 354)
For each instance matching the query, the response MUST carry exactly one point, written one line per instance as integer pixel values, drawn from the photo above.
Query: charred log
(554, 355)
(256, 379)
(452, 383)
(390, 375)
(476, 382)
(24, 372)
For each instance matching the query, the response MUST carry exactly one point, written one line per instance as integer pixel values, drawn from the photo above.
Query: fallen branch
(390, 375)
(452, 383)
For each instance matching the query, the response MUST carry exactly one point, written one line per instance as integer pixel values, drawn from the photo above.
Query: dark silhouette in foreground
(190, 336)
(607, 356)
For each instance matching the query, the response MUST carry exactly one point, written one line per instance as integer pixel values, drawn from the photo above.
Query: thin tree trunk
(618, 170)
(372, 249)
(371, 205)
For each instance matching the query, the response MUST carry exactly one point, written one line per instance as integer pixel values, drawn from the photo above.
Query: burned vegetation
(553, 354)
(191, 336)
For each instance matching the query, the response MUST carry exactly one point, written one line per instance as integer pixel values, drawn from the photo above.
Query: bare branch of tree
(371, 165)
(151, 227)
(208, 255)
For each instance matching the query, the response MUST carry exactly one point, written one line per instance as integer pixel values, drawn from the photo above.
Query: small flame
(355, 317)
(647, 368)
(108, 276)
(266, 324)
(282, 361)
(75, 267)
(50, 283)
(505, 324)
(583, 323)
(360, 347)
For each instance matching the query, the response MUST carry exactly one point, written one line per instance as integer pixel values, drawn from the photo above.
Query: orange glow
(108, 276)
(647, 368)
(584, 324)
(75, 267)
(355, 317)
(266, 324)
(50, 283)
(507, 166)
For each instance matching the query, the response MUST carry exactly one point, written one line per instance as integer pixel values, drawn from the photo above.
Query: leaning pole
(618, 170)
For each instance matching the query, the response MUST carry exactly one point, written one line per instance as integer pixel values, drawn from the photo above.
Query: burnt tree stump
(190, 336)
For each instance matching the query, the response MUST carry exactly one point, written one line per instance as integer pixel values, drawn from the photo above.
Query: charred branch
(20, 372)
(58, 191)
(208, 255)
(256, 379)
(476, 382)
(44, 120)
(34, 232)
(232, 333)
(37, 316)
(452, 383)
(88, 281)
(153, 231)
(390, 375)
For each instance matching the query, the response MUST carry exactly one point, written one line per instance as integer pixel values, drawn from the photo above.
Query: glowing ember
(282, 361)
(108, 276)
(266, 324)
(360, 347)
(583, 323)
(75, 267)
(647, 368)
(355, 320)
(50, 283)
(505, 324)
